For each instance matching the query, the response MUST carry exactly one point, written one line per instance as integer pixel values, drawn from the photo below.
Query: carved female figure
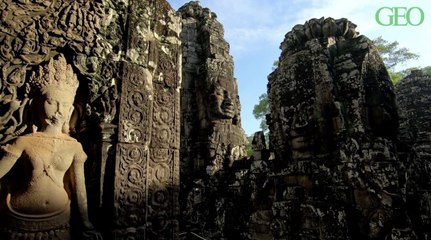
(49, 164)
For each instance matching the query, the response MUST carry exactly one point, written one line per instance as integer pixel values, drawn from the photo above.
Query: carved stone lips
(300, 142)
(228, 106)
(55, 119)
(227, 109)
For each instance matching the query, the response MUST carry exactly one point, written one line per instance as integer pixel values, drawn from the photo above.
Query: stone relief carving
(333, 135)
(49, 162)
(91, 34)
(212, 139)
(149, 125)
(31, 32)
(210, 85)
(336, 132)
(413, 100)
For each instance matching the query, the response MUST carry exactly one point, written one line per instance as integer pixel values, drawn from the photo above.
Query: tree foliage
(261, 109)
(396, 77)
(275, 64)
(248, 147)
(427, 70)
(392, 54)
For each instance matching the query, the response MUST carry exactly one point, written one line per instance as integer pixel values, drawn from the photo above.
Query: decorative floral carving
(35, 32)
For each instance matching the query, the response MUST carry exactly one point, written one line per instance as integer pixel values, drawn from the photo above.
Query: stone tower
(211, 132)
(414, 99)
(333, 128)
(212, 138)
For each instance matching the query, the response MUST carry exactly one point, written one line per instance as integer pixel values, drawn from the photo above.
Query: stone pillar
(127, 55)
(147, 162)
(414, 100)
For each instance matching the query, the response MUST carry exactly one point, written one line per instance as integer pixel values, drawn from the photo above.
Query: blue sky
(255, 28)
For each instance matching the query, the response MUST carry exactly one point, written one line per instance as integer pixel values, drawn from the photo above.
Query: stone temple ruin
(121, 120)
(414, 97)
(126, 115)
(333, 127)
(212, 138)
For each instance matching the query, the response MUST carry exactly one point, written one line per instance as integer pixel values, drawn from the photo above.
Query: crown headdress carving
(56, 74)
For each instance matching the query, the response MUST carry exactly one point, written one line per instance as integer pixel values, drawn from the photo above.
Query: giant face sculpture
(302, 126)
(222, 103)
(221, 92)
(301, 118)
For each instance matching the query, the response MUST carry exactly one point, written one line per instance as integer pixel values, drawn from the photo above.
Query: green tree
(394, 55)
(248, 147)
(396, 77)
(427, 70)
(261, 109)
(275, 64)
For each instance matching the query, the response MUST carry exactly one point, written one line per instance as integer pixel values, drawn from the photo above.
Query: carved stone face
(300, 115)
(382, 114)
(301, 130)
(223, 104)
(377, 224)
(58, 105)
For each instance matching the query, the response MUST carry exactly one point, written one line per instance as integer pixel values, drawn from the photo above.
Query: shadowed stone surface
(414, 100)
(127, 57)
(333, 127)
(212, 133)
(211, 136)
(339, 171)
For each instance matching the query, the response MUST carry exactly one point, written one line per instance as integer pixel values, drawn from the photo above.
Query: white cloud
(255, 24)
(359, 12)
(255, 28)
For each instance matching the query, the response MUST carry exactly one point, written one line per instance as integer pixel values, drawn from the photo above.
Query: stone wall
(414, 99)
(341, 170)
(127, 55)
